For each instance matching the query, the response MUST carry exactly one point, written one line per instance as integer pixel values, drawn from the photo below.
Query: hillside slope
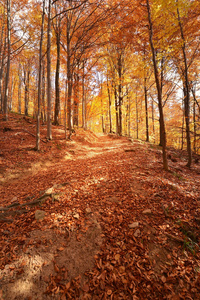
(95, 218)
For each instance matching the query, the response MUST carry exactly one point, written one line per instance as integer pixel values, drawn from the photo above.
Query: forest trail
(96, 218)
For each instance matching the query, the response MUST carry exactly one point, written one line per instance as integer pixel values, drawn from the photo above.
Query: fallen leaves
(135, 204)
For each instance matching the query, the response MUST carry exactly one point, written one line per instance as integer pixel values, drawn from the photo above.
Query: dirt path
(114, 225)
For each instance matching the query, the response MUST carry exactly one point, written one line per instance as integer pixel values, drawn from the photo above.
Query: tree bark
(186, 91)
(146, 109)
(49, 129)
(137, 120)
(83, 99)
(40, 80)
(120, 92)
(8, 61)
(19, 90)
(195, 126)
(129, 116)
(116, 110)
(57, 77)
(26, 83)
(76, 99)
(11, 93)
(158, 86)
(109, 107)
(43, 112)
(69, 80)
(2, 55)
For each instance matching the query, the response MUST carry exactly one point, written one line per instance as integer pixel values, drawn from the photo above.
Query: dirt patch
(159, 257)
(48, 255)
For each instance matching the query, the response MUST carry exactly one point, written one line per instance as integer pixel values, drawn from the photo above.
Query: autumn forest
(99, 149)
(129, 67)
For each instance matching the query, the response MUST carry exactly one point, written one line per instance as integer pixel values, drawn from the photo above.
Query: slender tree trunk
(39, 80)
(186, 91)
(8, 62)
(161, 88)
(146, 109)
(84, 124)
(102, 109)
(2, 55)
(1, 80)
(116, 110)
(65, 108)
(187, 125)
(120, 93)
(11, 93)
(109, 107)
(153, 121)
(49, 129)
(102, 117)
(57, 82)
(120, 117)
(19, 90)
(2, 74)
(137, 120)
(43, 113)
(76, 99)
(195, 126)
(69, 81)
(129, 116)
(26, 83)
(158, 86)
(183, 123)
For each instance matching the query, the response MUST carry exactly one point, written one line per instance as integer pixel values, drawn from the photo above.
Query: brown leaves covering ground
(84, 248)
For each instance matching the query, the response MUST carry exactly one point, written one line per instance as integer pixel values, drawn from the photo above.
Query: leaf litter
(84, 247)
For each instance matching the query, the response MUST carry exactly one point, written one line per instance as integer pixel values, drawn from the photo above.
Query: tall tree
(40, 79)
(158, 86)
(57, 29)
(8, 60)
(49, 129)
(186, 88)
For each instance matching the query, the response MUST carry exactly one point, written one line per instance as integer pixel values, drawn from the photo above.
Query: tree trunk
(195, 126)
(153, 121)
(11, 93)
(26, 83)
(83, 99)
(76, 99)
(44, 117)
(8, 62)
(2, 55)
(65, 108)
(186, 91)
(57, 83)
(137, 120)
(69, 81)
(183, 123)
(39, 80)
(116, 110)
(120, 93)
(129, 116)
(49, 129)
(109, 107)
(19, 90)
(102, 109)
(158, 86)
(146, 109)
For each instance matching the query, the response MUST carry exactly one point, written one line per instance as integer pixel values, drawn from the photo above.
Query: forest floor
(96, 217)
